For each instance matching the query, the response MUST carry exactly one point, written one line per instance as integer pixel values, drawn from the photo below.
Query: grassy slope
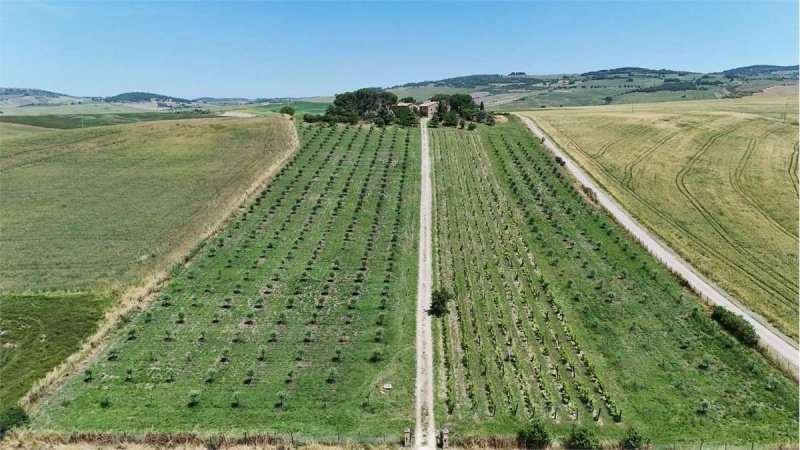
(39, 331)
(298, 253)
(12, 130)
(120, 200)
(652, 347)
(716, 180)
(69, 121)
(85, 108)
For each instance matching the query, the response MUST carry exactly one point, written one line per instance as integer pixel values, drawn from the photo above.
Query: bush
(533, 436)
(439, 300)
(735, 325)
(193, 398)
(632, 439)
(581, 438)
(472, 126)
(12, 417)
(287, 110)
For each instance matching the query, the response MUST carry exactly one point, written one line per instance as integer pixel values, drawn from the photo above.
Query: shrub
(439, 300)
(281, 399)
(581, 438)
(632, 439)
(105, 402)
(534, 435)
(376, 356)
(236, 401)
(12, 417)
(193, 398)
(332, 375)
(472, 126)
(735, 325)
(287, 110)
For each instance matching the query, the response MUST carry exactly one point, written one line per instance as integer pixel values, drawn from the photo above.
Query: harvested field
(716, 180)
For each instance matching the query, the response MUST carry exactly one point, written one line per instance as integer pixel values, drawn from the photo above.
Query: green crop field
(716, 180)
(290, 320)
(559, 314)
(301, 107)
(49, 326)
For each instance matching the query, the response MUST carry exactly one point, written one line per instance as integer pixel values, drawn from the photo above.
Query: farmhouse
(409, 105)
(429, 108)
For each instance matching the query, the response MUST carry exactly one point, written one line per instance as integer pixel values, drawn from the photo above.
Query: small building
(429, 108)
(409, 105)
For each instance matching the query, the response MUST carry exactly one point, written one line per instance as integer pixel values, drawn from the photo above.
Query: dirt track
(777, 345)
(424, 434)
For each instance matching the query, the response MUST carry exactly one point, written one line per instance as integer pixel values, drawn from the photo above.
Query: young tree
(582, 438)
(450, 119)
(439, 300)
(535, 435)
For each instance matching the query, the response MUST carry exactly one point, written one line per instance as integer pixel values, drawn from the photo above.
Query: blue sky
(270, 49)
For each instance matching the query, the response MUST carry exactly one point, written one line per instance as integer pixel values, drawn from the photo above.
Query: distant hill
(29, 92)
(759, 70)
(140, 97)
(24, 97)
(601, 87)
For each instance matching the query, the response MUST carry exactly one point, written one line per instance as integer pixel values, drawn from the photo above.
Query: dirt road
(779, 346)
(424, 434)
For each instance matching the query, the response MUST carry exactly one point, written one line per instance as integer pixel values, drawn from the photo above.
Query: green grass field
(50, 326)
(559, 314)
(716, 180)
(290, 320)
(301, 107)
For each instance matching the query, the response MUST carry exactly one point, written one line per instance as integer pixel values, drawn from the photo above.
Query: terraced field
(559, 314)
(291, 320)
(717, 181)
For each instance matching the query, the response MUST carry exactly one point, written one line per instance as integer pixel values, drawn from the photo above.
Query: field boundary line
(424, 431)
(139, 297)
(775, 344)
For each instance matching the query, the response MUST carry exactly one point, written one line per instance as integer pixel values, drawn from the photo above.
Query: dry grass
(124, 201)
(717, 180)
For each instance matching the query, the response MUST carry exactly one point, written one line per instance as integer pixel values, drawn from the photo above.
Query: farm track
(735, 178)
(425, 434)
(628, 170)
(602, 150)
(776, 343)
(745, 267)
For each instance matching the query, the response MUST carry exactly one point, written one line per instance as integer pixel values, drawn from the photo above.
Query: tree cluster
(455, 110)
(365, 105)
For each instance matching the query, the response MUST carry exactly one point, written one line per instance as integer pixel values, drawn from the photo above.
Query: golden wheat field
(716, 180)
